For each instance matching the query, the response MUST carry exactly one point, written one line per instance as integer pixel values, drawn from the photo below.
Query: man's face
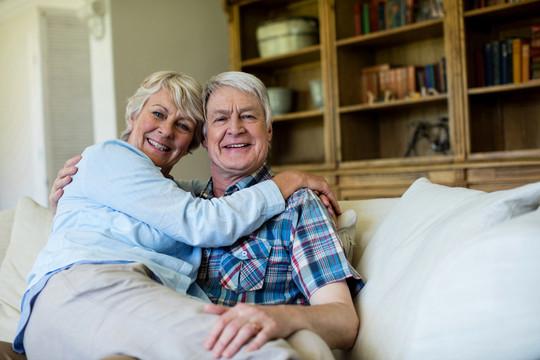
(236, 134)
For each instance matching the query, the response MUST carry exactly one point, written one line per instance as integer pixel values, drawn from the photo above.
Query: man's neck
(221, 181)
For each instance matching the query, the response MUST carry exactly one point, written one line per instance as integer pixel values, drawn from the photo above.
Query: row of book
(509, 61)
(375, 15)
(384, 82)
(476, 4)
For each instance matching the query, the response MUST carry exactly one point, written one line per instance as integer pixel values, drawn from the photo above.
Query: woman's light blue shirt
(120, 208)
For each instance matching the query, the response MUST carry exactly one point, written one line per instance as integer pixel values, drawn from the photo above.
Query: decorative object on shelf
(316, 90)
(280, 99)
(439, 143)
(280, 36)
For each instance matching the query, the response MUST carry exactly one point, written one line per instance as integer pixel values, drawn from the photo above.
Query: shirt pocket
(244, 267)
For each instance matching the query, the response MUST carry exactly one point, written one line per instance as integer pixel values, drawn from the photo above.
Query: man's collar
(261, 174)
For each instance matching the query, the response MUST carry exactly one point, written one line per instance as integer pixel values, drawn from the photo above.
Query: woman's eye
(158, 114)
(183, 126)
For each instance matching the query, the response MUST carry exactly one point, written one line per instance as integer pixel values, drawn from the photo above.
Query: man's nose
(236, 125)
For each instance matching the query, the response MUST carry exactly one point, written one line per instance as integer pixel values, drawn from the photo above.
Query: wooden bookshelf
(493, 132)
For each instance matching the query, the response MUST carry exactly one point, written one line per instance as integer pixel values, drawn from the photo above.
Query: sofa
(451, 273)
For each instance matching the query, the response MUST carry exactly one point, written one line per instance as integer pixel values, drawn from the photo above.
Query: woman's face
(161, 131)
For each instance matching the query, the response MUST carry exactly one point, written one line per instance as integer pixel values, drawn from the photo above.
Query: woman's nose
(166, 129)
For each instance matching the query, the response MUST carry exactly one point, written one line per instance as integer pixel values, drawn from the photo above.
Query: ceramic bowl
(280, 99)
(280, 36)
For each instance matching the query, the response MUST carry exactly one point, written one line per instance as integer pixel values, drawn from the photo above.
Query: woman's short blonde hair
(186, 93)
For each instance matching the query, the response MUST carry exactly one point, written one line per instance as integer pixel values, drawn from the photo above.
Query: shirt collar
(261, 174)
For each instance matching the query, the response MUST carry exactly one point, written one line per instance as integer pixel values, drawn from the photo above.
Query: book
(525, 61)
(488, 64)
(444, 86)
(516, 58)
(504, 62)
(366, 26)
(358, 18)
(396, 13)
(373, 16)
(382, 14)
(370, 81)
(496, 62)
(510, 61)
(479, 77)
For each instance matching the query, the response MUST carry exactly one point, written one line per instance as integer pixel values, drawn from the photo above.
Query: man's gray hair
(244, 82)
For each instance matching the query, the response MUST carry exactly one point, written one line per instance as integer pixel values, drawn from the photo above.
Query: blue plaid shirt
(283, 262)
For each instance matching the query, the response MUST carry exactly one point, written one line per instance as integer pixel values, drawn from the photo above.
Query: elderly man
(296, 258)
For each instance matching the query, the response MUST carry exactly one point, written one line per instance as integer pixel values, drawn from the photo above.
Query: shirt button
(244, 253)
(206, 252)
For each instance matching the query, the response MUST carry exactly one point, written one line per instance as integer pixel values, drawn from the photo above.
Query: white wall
(142, 36)
(181, 35)
(22, 147)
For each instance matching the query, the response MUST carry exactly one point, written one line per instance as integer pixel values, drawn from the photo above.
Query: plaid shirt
(284, 261)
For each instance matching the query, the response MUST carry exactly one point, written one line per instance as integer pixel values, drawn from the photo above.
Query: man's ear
(270, 132)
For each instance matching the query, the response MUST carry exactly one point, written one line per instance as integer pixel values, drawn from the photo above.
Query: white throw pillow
(426, 225)
(483, 302)
(31, 228)
(347, 226)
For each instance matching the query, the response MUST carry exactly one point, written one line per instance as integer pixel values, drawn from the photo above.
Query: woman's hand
(291, 180)
(243, 324)
(63, 178)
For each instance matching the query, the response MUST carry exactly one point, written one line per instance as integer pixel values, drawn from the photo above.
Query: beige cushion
(31, 228)
(6, 222)
(427, 225)
(369, 215)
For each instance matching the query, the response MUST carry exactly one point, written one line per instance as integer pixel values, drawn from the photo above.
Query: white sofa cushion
(426, 225)
(6, 223)
(31, 228)
(493, 288)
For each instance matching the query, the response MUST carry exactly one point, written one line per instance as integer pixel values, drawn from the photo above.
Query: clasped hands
(245, 324)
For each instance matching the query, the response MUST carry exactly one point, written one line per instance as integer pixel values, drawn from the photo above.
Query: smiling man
(294, 258)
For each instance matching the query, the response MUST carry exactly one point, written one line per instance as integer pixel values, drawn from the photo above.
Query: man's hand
(63, 178)
(291, 180)
(243, 324)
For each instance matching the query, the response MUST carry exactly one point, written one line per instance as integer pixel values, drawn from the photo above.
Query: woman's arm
(331, 315)
(119, 176)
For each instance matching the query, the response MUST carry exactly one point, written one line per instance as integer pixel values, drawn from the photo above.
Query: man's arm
(331, 315)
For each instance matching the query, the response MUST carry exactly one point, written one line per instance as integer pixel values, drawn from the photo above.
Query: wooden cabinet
(484, 136)
(303, 138)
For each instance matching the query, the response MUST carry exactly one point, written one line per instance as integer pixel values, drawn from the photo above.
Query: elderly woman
(117, 274)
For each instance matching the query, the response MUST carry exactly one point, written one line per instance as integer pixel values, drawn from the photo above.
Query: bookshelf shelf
(525, 86)
(412, 32)
(392, 104)
(300, 115)
(490, 132)
(523, 8)
(298, 57)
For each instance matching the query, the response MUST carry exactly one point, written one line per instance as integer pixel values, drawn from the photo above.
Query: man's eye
(158, 114)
